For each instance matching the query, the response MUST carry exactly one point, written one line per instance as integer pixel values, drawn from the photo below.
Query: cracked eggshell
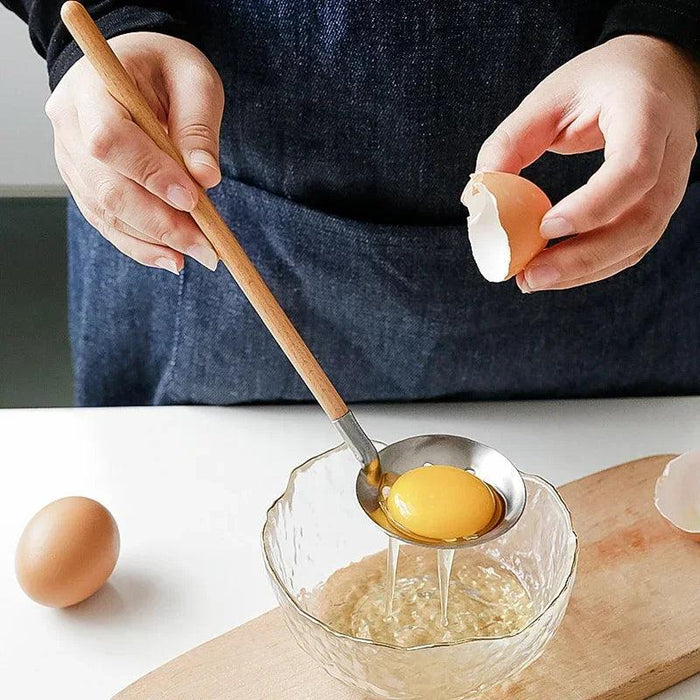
(505, 212)
(677, 495)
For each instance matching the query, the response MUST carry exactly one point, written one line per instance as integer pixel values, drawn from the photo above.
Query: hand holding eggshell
(67, 552)
(636, 97)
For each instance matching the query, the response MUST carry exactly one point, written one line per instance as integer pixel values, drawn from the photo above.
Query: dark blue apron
(349, 132)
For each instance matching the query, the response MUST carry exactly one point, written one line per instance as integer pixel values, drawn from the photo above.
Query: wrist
(63, 52)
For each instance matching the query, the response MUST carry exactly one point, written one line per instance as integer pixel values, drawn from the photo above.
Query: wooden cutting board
(632, 627)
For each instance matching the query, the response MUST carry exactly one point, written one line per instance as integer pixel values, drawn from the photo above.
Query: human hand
(134, 194)
(639, 99)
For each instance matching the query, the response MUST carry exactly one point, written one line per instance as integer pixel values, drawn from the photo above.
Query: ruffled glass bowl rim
(306, 466)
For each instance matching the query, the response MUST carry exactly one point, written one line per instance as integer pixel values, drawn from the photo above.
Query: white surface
(27, 164)
(189, 488)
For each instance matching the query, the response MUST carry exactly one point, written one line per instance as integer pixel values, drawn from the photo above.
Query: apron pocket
(367, 298)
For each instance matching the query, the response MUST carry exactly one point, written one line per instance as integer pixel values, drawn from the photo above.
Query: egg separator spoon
(399, 457)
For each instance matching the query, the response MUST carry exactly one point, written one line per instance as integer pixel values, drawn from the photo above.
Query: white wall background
(27, 166)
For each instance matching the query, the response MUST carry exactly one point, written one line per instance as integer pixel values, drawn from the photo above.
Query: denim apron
(349, 131)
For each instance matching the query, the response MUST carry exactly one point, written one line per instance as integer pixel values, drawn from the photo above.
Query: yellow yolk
(441, 502)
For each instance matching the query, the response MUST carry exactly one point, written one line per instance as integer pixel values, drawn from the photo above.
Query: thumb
(194, 119)
(525, 134)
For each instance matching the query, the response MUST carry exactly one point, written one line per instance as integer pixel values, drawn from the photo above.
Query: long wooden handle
(122, 88)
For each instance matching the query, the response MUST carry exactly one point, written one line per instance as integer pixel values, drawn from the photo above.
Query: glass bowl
(317, 527)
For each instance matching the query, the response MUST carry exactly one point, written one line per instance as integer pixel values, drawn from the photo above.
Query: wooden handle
(123, 89)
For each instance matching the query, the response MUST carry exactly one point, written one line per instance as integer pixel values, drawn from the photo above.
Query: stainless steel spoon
(486, 463)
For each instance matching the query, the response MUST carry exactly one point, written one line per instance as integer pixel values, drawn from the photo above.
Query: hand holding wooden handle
(123, 89)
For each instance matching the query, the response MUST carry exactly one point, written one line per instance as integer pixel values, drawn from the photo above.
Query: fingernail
(167, 264)
(203, 255)
(540, 276)
(204, 158)
(522, 285)
(555, 227)
(180, 198)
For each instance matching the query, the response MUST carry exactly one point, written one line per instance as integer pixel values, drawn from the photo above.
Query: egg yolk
(440, 502)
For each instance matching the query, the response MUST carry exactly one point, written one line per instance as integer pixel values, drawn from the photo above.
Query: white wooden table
(190, 511)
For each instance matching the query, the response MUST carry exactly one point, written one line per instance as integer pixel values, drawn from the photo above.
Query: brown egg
(67, 551)
(505, 213)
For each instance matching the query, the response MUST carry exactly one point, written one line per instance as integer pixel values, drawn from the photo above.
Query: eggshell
(505, 213)
(677, 494)
(67, 551)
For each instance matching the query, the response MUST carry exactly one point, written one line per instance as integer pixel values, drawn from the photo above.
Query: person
(337, 136)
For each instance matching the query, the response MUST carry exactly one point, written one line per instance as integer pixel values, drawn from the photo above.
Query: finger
(598, 254)
(154, 255)
(148, 254)
(88, 204)
(133, 246)
(585, 255)
(526, 133)
(196, 107)
(128, 207)
(588, 279)
(122, 199)
(635, 142)
(112, 138)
